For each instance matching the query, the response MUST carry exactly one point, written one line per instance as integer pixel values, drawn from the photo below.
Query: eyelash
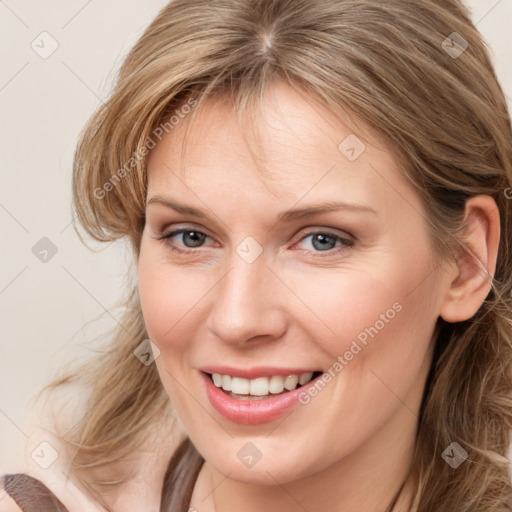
(346, 242)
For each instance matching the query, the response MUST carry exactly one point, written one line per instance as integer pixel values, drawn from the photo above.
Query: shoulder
(27, 494)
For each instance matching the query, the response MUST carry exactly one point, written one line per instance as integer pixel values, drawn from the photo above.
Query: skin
(297, 305)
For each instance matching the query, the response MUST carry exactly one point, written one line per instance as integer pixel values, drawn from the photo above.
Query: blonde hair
(444, 115)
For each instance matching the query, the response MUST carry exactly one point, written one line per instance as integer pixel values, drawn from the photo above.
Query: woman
(243, 138)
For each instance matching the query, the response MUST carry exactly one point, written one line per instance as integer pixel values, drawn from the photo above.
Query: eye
(190, 237)
(322, 241)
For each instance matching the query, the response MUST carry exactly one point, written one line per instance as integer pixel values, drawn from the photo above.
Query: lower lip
(252, 412)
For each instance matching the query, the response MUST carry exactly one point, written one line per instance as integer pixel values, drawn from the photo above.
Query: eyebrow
(286, 216)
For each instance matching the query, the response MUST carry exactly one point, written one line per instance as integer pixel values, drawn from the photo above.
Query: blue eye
(194, 237)
(326, 242)
(322, 242)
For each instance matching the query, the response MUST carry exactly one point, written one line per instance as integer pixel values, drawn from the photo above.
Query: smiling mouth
(261, 387)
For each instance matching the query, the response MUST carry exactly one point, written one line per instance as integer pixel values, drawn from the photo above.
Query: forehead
(292, 148)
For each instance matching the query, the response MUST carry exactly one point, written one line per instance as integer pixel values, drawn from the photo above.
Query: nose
(248, 304)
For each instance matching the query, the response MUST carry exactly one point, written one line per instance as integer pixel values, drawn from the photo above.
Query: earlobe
(475, 264)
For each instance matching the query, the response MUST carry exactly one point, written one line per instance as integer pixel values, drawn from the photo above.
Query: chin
(274, 465)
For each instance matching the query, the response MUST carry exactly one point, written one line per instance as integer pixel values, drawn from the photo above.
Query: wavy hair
(402, 68)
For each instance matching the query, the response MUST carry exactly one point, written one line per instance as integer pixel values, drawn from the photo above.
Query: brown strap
(31, 495)
(180, 478)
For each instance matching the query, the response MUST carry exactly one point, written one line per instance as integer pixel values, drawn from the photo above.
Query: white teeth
(240, 386)
(226, 382)
(260, 386)
(304, 378)
(276, 384)
(217, 379)
(291, 382)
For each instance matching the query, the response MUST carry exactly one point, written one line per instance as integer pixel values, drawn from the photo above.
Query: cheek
(170, 297)
(381, 317)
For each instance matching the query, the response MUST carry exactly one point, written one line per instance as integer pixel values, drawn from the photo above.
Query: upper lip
(255, 371)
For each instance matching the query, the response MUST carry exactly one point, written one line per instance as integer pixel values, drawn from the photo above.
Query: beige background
(44, 103)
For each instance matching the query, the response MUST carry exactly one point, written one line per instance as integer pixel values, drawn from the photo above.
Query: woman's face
(260, 290)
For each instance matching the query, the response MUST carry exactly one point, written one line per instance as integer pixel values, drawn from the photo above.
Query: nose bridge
(245, 304)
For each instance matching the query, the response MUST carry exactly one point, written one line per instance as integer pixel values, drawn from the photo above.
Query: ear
(474, 268)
